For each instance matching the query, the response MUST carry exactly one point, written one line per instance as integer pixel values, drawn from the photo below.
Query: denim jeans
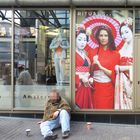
(62, 120)
(59, 69)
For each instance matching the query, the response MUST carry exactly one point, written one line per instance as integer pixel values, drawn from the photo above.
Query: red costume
(83, 97)
(103, 95)
(123, 88)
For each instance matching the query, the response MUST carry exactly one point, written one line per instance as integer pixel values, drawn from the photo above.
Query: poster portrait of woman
(114, 59)
(104, 59)
(83, 91)
(124, 78)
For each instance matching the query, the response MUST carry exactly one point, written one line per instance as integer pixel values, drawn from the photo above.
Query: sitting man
(57, 113)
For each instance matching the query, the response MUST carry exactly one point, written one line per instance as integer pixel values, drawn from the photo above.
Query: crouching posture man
(57, 113)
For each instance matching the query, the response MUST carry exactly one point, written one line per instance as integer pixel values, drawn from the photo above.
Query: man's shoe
(51, 137)
(65, 134)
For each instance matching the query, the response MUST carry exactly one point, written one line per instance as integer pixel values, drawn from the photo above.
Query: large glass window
(41, 56)
(5, 59)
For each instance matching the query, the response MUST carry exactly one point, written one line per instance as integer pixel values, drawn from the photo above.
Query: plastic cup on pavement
(28, 132)
(89, 125)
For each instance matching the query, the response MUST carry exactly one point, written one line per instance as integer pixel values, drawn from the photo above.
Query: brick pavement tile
(14, 129)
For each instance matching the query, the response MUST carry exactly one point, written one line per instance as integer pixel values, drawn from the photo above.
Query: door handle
(138, 82)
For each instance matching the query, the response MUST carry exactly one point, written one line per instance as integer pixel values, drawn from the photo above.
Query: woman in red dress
(83, 97)
(104, 59)
(123, 86)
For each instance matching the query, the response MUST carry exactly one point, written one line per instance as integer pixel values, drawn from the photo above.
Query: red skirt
(83, 98)
(103, 95)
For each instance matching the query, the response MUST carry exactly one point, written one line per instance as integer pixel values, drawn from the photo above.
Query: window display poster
(104, 59)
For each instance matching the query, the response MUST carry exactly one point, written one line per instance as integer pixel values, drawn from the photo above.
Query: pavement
(12, 128)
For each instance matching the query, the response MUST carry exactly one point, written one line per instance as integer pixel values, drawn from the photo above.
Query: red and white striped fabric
(82, 69)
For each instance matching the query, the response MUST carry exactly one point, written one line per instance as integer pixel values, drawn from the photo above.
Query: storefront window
(5, 59)
(41, 56)
(104, 59)
(137, 21)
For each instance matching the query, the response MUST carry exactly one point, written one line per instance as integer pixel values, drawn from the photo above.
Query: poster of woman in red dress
(105, 49)
(124, 77)
(104, 59)
(83, 97)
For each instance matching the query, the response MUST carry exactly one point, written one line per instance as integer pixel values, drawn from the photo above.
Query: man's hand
(55, 114)
(39, 122)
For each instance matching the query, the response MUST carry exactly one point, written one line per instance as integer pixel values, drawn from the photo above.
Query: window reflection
(34, 33)
(5, 60)
(33, 40)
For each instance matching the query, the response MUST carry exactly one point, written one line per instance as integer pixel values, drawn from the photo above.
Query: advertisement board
(104, 59)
